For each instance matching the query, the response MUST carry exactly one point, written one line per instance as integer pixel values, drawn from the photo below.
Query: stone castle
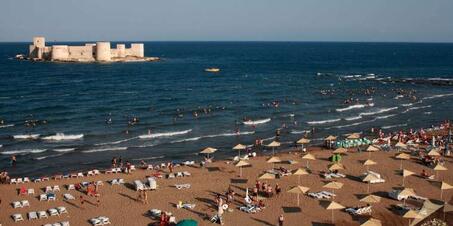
(90, 52)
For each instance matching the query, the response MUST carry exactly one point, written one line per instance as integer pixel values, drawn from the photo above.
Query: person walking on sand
(145, 197)
(281, 219)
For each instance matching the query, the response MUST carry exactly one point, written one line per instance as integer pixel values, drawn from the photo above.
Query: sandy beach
(119, 202)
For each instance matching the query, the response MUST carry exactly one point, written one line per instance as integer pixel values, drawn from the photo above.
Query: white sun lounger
(68, 196)
(96, 222)
(64, 223)
(43, 197)
(62, 210)
(26, 180)
(179, 174)
(185, 206)
(104, 220)
(186, 174)
(48, 189)
(53, 212)
(31, 191)
(170, 175)
(96, 172)
(181, 186)
(71, 187)
(19, 181)
(32, 215)
(139, 185)
(56, 188)
(17, 217)
(16, 205)
(42, 214)
(25, 203)
(155, 212)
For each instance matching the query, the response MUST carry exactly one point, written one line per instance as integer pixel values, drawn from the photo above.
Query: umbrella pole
(401, 165)
(273, 151)
(239, 154)
(441, 191)
(308, 167)
(368, 187)
(333, 220)
(298, 201)
(403, 181)
(298, 179)
(240, 171)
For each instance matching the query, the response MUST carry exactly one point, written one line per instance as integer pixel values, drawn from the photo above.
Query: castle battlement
(90, 52)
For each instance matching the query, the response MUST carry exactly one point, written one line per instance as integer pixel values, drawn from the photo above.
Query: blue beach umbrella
(187, 222)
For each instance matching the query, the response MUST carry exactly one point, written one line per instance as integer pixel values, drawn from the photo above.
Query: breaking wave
(23, 152)
(167, 134)
(26, 136)
(213, 135)
(7, 125)
(115, 142)
(393, 126)
(382, 110)
(106, 149)
(63, 149)
(357, 106)
(438, 96)
(256, 122)
(62, 136)
(324, 121)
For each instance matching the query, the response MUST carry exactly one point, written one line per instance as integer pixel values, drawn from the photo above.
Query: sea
(80, 115)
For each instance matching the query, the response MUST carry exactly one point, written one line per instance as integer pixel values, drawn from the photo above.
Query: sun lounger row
(321, 195)
(250, 208)
(181, 186)
(19, 180)
(395, 194)
(150, 184)
(63, 223)
(378, 179)
(333, 175)
(185, 206)
(178, 174)
(50, 212)
(68, 196)
(55, 188)
(100, 221)
(20, 204)
(47, 197)
(117, 181)
(359, 211)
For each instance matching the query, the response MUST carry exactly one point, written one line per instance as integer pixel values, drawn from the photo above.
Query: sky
(228, 20)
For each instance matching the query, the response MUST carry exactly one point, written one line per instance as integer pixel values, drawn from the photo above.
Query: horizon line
(263, 41)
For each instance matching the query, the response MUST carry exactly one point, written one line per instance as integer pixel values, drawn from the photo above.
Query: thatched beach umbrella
(238, 148)
(241, 164)
(368, 178)
(308, 157)
(370, 149)
(329, 140)
(400, 145)
(334, 206)
(273, 145)
(353, 136)
(340, 151)
(372, 222)
(407, 192)
(274, 160)
(303, 142)
(444, 186)
(298, 190)
(401, 157)
(407, 173)
(434, 152)
(411, 214)
(208, 151)
(333, 185)
(371, 199)
(438, 168)
(299, 172)
(447, 208)
(369, 163)
(336, 166)
(267, 176)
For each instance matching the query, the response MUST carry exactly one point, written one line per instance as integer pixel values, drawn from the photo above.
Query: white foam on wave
(150, 158)
(353, 118)
(393, 126)
(166, 134)
(382, 110)
(385, 116)
(356, 106)
(23, 152)
(106, 149)
(427, 112)
(116, 142)
(62, 136)
(269, 138)
(438, 96)
(6, 126)
(324, 121)
(26, 136)
(300, 131)
(213, 135)
(416, 108)
(353, 124)
(256, 122)
(48, 156)
(63, 149)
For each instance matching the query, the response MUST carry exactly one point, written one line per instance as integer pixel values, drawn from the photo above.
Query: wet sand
(120, 205)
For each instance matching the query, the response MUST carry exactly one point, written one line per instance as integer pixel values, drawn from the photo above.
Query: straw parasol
(402, 156)
(274, 144)
(302, 142)
(400, 145)
(329, 140)
(444, 186)
(407, 173)
(299, 172)
(447, 208)
(411, 214)
(438, 168)
(336, 166)
(333, 185)
(334, 206)
(340, 151)
(308, 157)
(372, 222)
(370, 149)
(208, 151)
(369, 163)
(368, 178)
(298, 190)
(353, 136)
(407, 192)
(274, 160)
(433, 152)
(267, 176)
(240, 164)
(238, 148)
(371, 199)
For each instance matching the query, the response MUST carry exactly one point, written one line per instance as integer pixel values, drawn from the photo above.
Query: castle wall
(103, 52)
(60, 52)
(82, 53)
(137, 50)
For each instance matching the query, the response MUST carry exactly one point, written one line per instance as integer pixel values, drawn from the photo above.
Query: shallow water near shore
(76, 99)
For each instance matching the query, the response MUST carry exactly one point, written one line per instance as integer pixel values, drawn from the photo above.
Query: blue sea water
(77, 98)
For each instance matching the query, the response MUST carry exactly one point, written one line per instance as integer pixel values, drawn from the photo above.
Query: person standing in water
(13, 160)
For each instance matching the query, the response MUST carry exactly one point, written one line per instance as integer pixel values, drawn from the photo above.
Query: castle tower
(121, 48)
(37, 48)
(138, 49)
(103, 51)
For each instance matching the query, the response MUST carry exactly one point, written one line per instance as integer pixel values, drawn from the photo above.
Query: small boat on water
(212, 69)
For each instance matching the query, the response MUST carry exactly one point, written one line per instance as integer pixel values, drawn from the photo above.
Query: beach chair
(110, 171)
(328, 193)
(121, 181)
(170, 176)
(58, 177)
(71, 187)
(155, 212)
(42, 197)
(26, 180)
(185, 206)
(186, 174)
(104, 220)
(48, 225)
(68, 196)
(19, 181)
(32, 215)
(149, 167)
(114, 182)
(45, 179)
(152, 183)
(133, 168)
(51, 197)
(90, 173)
(181, 186)
(17, 217)
(25, 203)
(96, 172)
(37, 180)
(95, 221)
(64, 223)
(31, 191)
(53, 212)
(16, 205)
(80, 174)
(248, 209)
(56, 188)
(62, 210)
(13, 181)
(48, 189)
(139, 185)
(42, 214)
(99, 183)
(66, 176)
(179, 174)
